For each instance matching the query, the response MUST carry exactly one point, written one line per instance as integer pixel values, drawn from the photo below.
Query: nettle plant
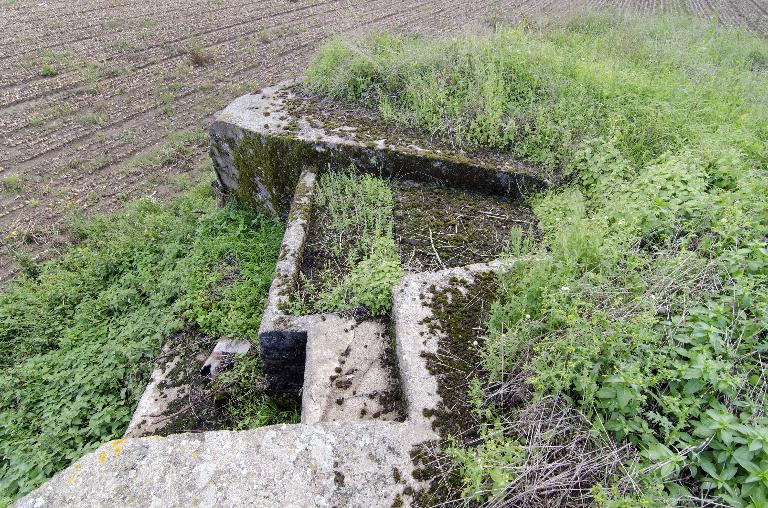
(78, 334)
(650, 315)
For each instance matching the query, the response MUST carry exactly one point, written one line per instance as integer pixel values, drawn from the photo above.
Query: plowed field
(105, 101)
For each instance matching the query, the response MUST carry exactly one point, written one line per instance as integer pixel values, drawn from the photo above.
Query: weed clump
(355, 260)
(197, 55)
(247, 405)
(48, 71)
(12, 183)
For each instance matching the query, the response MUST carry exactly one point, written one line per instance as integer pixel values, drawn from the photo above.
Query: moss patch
(459, 314)
(276, 161)
(367, 127)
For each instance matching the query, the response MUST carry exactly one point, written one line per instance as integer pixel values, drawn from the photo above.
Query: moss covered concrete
(261, 142)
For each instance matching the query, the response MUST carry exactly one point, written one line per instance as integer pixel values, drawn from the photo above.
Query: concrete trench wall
(289, 141)
(296, 143)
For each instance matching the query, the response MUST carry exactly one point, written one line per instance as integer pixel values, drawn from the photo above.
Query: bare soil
(94, 94)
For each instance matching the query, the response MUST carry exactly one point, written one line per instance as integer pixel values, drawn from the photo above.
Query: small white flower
(527, 316)
(565, 288)
(474, 343)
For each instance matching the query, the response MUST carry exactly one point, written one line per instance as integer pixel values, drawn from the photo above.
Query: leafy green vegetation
(650, 85)
(248, 405)
(78, 335)
(645, 309)
(48, 70)
(355, 248)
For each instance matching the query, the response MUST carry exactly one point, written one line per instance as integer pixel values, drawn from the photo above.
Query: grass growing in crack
(78, 335)
(636, 338)
(356, 260)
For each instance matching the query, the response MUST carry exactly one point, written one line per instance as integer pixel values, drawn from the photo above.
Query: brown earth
(105, 101)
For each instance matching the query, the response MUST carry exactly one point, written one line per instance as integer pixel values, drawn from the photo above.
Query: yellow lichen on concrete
(117, 449)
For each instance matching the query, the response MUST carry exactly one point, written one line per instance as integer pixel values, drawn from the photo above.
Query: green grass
(649, 85)
(78, 335)
(356, 230)
(12, 183)
(48, 70)
(149, 23)
(645, 309)
(247, 404)
(99, 118)
(179, 148)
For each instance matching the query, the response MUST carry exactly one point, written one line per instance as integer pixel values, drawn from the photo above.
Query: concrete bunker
(270, 149)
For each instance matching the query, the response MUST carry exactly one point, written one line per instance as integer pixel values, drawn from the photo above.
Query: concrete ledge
(285, 465)
(347, 376)
(283, 338)
(411, 314)
(150, 416)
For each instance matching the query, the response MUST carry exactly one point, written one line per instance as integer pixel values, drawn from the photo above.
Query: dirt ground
(103, 101)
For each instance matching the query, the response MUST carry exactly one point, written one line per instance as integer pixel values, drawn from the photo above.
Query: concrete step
(349, 372)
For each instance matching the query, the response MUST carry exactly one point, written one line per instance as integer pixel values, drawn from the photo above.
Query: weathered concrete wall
(260, 145)
(283, 338)
(349, 463)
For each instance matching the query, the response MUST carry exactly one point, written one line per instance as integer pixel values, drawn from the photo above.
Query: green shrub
(79, 335)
